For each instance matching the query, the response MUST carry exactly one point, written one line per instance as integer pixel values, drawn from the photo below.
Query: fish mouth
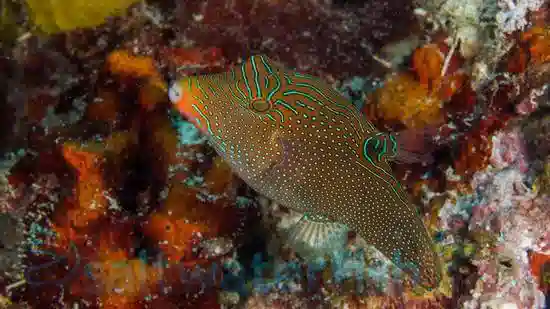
(430, 277)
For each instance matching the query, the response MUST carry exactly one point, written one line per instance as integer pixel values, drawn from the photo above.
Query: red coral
(500, 96)
(175, 236)
(474, 154)
(162, 142)
(428, 62)
(540, 269)
(36, 107)
(90, 161)
(517, 60)
(122, 63)
(193, 58)
(105, 107)
(462, 103)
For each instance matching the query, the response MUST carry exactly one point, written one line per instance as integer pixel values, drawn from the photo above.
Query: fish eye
(175, 93)
(260, 105)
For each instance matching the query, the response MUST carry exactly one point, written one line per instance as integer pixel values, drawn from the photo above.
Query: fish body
(296, 140)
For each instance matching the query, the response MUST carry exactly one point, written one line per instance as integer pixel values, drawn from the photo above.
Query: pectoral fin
(315, 236)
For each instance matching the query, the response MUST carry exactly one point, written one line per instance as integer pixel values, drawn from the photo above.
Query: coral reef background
(111, 199)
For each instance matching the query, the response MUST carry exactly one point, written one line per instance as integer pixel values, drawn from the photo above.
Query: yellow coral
(53, 16)
(542, 183)
(4, 301)
(405, 100)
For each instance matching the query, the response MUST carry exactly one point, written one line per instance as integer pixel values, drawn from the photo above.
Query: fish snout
(175, 92)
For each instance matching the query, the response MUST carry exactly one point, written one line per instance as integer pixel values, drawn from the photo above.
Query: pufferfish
(296, 140)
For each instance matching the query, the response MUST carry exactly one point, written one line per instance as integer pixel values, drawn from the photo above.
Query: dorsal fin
(275, 66)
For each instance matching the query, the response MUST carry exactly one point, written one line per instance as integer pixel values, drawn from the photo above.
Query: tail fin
(409, 146)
